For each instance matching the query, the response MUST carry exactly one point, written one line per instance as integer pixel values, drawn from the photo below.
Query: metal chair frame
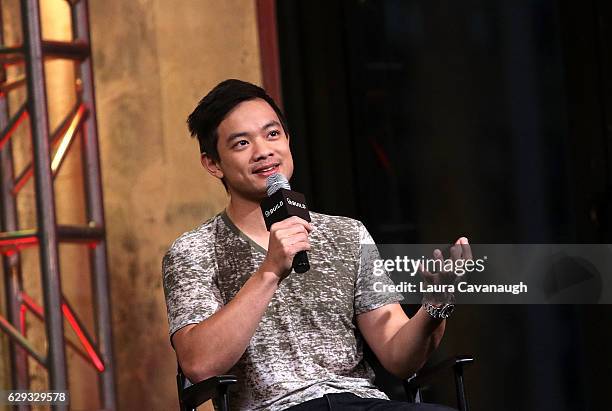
(216, 388)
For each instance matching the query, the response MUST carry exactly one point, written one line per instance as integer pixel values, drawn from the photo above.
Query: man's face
(252, 145)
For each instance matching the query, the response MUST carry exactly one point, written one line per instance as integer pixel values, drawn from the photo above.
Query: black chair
(217, 388)
(423, 378)
(191, 396)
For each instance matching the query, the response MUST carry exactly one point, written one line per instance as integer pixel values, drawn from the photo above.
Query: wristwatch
(440, 313)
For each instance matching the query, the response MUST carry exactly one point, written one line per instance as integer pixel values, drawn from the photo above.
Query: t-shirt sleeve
(368, 294)
(189, 286)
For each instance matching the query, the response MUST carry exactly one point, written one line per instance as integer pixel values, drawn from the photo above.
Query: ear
(211, 165)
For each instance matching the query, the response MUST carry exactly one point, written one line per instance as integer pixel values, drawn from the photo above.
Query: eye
(240, 143)
(274, 133)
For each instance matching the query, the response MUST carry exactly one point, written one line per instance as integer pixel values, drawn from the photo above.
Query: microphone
(281, 204)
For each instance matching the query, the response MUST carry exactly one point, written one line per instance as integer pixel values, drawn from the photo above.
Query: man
(235, 307)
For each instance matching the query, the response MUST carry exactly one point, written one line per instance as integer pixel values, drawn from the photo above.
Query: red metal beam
(92, 355)
(12, 241)
(10, 128)
(268, 49)
(85, 341)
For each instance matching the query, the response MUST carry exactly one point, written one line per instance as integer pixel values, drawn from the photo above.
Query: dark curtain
(490, 119)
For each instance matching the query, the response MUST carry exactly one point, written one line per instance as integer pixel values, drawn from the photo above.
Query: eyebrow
(246, 133)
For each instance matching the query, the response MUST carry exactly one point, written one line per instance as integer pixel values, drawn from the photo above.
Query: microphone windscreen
(276, 182)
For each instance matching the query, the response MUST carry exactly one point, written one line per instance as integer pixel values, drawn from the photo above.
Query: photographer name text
(461, 287)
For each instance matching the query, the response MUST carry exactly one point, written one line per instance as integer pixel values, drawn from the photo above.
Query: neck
(247, 216)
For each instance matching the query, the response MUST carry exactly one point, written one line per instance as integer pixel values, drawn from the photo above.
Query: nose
(261, 149)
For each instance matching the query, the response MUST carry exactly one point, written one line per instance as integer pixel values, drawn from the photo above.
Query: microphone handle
(300, 262)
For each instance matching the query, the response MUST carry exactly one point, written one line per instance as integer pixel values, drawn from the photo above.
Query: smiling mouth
(266, 169)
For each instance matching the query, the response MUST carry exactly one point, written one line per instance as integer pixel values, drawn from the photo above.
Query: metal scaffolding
(49, 151)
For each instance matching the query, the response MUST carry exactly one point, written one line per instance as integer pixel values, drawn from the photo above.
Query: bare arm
(214, 345)
(402, 345)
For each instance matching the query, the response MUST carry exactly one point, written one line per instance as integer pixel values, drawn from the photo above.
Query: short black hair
(212, 109)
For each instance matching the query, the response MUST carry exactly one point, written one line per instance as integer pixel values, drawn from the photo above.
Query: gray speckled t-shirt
(307, 343)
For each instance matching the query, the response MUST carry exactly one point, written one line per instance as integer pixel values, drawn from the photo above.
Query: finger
(466, 250)
(292, 250)
(429, 277)
(293, 227)
(438, 265)
(426, 275)
(298, 220)
(290, 231)
(423, 271)
(292, 221)
(302, 246)
(455, 251)
(294, 239)
(421, 267)
(432, 267)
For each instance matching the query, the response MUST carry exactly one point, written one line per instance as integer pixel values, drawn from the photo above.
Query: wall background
(153, 61)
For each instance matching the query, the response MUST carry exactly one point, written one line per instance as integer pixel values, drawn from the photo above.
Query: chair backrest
(181, 384)
(193, 395)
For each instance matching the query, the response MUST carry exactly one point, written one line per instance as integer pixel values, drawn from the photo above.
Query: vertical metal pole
(13, 283)
(95, 210)
(460, 388)
(45, 203)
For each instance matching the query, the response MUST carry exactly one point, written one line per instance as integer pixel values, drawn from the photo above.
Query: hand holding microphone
(288, 238)
(287, 218)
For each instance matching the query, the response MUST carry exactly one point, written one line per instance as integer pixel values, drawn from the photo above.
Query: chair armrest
(211, 388)
(413, 384)
(421, 378)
